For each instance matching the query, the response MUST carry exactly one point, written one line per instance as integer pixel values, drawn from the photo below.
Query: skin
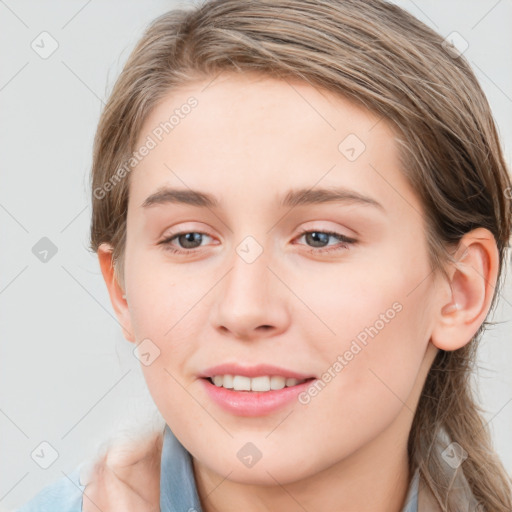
(249, 141)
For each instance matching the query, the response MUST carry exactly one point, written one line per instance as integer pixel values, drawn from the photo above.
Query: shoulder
(65, 495)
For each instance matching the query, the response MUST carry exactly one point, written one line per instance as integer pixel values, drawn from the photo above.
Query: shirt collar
(178, 491)
(411, 500)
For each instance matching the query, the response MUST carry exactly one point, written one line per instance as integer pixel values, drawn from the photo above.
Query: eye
(320, 240)
(189, 241)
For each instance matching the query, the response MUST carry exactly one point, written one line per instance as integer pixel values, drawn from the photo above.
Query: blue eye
(185, 239)
(190, 241)
(322, 237)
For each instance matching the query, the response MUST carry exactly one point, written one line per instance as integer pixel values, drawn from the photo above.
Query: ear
(466, 300)
(117, 296)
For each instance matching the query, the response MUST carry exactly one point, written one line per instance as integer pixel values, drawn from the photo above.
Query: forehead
(262, 107)
(248, 134)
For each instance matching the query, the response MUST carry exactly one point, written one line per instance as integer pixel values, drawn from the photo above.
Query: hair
(382, 58)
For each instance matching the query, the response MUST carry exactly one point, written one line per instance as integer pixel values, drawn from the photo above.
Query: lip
(253, 403)
(253, 371)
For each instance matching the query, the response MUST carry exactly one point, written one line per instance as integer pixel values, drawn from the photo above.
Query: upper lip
(252, 371)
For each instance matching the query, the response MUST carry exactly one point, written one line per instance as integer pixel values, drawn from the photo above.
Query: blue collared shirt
(178, 491)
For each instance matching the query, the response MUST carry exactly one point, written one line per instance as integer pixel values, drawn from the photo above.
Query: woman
(301, 212)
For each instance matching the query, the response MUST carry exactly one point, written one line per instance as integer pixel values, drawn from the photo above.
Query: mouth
(259, 385)
(250, 402)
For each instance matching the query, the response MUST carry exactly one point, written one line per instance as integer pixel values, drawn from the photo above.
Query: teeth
(227, 382)
(217, 380)
(240, 383)
(263, 383)
(277, 382)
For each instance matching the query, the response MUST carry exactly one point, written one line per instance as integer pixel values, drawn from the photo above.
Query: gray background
(67, 375)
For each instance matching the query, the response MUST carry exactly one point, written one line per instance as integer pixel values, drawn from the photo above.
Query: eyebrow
(294, 198)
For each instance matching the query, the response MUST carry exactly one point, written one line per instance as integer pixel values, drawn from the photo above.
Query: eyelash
(345, 242)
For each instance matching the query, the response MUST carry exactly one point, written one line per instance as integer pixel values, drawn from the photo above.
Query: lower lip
(253, 403)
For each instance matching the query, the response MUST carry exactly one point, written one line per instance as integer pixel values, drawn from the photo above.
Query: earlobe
(466, 300)
(115, 291)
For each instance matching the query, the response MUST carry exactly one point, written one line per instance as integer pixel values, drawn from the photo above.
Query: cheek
(366, 388)
(160, 295)
(379, 334)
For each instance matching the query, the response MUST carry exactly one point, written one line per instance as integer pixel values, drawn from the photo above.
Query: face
(332, 283)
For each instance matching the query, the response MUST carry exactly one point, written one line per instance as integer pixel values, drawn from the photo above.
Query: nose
(251, 301)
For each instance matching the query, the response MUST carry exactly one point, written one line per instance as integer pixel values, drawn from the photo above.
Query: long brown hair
(379, 56)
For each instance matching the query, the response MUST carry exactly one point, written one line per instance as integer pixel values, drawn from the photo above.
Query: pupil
(315, 235)
(189, 238)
